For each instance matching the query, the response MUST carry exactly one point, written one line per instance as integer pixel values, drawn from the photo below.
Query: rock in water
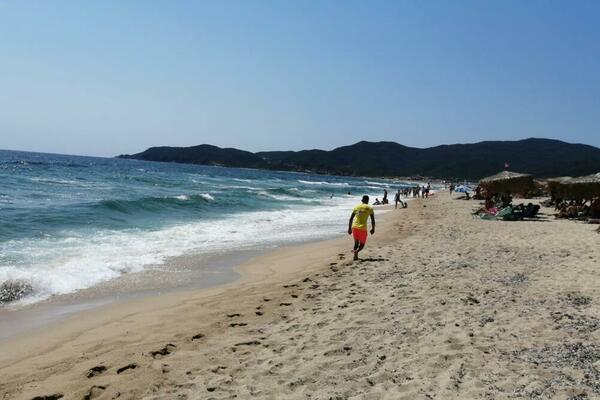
(14, 289)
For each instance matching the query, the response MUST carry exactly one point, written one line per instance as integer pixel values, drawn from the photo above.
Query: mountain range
(542, 158)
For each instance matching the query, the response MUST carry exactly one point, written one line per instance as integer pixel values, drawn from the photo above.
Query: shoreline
(261, 270)
(207, 271)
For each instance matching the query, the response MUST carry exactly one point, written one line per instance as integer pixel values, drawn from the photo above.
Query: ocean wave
(251, 188)
(207, 196)
(61, 266)
(282, 197)
(155, 203)
(54, 180)
(323, 183)
(383, 184)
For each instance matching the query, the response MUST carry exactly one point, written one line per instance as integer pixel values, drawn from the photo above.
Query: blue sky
(111, 77)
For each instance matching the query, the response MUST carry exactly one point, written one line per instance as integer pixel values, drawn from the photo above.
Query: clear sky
(109, 77)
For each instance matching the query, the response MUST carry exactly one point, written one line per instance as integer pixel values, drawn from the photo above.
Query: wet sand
(441, 306)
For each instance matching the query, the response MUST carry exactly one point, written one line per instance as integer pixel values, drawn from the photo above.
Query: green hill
(540, 157)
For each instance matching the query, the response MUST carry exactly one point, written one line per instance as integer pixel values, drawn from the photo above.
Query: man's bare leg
(358, 246)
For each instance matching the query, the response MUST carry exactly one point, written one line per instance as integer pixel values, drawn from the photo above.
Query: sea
(69, 223)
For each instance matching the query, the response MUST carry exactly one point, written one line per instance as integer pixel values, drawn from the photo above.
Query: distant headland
(540, 157)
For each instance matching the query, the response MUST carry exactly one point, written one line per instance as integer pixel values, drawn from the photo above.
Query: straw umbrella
(508, 182)
(583, 187)
(556, 187)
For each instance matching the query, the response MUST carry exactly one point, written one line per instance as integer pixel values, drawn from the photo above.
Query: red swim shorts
(360, 235)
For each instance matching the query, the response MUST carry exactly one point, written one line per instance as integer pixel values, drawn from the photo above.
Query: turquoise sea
(71, 222)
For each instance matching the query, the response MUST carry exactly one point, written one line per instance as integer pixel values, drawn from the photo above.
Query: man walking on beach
(357, 226)
(398, 199)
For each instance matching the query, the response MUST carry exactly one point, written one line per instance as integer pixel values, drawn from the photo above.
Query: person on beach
(357, 226)
(398, 199)
(385, 199)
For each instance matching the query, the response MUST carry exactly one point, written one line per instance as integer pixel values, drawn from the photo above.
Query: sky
(112, 77)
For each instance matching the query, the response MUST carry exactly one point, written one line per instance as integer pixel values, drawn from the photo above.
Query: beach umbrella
(556, 188)
(508, 182)
(583, 187)
(463, 189)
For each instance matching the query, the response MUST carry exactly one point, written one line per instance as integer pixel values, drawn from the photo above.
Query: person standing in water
(357, 226)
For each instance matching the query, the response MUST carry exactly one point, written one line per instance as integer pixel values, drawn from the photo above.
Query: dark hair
(365, 199)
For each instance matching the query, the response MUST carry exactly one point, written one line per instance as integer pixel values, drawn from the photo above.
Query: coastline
(186, 273)
(441, 306)
(263, 268)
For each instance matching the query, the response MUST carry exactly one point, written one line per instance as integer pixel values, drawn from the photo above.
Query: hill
(541, 157)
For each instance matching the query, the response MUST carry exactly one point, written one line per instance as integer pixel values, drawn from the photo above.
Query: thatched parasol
(508, 182)
(556, 188)
(583, 187)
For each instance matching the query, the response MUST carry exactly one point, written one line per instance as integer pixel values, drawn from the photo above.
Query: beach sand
(442, 306)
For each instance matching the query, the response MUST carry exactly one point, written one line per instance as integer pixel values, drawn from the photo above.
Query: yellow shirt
(361, 215)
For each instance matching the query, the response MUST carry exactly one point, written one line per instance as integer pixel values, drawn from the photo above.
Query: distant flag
(505, 165)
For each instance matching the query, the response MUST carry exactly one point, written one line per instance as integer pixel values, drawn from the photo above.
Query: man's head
(365, 199)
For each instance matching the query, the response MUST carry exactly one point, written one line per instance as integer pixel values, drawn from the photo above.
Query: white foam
(324, 183)
(283, 197)
(383, 184)
(207, 196)
(59, 181)
(78, 261)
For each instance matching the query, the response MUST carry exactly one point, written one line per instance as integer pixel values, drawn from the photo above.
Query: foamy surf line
(80, 262)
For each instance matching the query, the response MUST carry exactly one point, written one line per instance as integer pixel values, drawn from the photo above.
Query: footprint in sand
(55, 396)
(249, 343)
(165, 369)
(125, 368)
(197, 336)
(236, 324)
(95, 391)
(234, 315)
(336, 352)
(97, 370)
(168, 349)
(245, 344)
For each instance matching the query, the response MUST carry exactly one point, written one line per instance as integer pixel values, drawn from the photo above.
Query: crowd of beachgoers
(571, 198)
(404, 193)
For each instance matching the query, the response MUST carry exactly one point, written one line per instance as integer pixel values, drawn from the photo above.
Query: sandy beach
(441, 306)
